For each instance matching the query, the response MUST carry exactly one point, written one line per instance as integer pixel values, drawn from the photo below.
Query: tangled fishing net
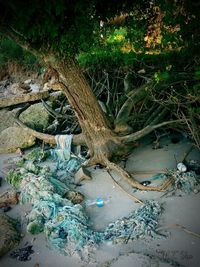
(185, 181)
(64, 223)
(141, 222)
(63, 156)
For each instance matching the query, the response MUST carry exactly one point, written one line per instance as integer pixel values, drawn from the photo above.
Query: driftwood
(18, 99)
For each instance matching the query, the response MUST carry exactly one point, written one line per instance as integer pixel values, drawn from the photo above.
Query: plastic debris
(63, 157)
(185, 181)
(37, 155)
(66, 225)
(38, 187)
(14, 177)
(146, 183)
(69, 230)
(99, 202)
(141, 222)
(181, 167)
(22, 254)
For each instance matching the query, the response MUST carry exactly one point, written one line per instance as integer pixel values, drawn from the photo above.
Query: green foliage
(11, 52)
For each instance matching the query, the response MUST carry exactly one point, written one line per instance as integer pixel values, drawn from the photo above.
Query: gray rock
(28, 81)
(13, 138)
(9, 235)
(35, 87)
(6, 119)
(36, 117)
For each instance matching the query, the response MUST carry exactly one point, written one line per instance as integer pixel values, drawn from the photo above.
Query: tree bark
(99, 137)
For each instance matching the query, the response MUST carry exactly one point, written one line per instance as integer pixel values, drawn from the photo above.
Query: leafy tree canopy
(62, 25)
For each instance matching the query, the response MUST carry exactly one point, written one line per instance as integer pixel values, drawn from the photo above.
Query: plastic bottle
(99, 202)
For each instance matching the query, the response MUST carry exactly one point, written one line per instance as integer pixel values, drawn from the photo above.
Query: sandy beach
(179, 219)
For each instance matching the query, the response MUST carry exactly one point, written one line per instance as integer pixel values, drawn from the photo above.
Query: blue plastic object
(99, 202)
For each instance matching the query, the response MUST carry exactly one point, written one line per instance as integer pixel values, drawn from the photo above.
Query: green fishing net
(139, 223)
(66, 225)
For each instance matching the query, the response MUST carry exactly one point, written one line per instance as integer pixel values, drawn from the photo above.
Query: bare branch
(133, 97)
(148, 129)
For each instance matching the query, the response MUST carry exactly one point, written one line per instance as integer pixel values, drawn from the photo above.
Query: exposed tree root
(134, 183)
(130, 195)
(47, 138)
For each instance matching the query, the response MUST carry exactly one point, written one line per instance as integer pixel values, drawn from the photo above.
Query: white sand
(180, 246)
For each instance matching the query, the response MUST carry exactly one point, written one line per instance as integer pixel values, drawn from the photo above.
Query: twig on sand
(130, 195)
(180, 227)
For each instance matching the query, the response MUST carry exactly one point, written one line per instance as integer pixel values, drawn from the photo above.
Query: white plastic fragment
(181, 167)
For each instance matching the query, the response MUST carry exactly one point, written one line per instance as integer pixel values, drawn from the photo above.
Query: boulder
(6, 119)
(13, 138)
(36, 117)
(10, 237)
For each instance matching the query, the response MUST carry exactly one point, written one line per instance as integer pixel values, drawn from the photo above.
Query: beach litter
(22, 254)
(63, 219)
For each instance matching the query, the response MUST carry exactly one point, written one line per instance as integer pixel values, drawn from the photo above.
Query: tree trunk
(99, 137)
(102, 141)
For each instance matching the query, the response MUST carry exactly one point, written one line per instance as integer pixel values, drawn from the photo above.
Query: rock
(25, 88)
(6, 119)
(35, 87)
(74, 196)
(82, 174)
(36, 117)
(9, 235)
(9, 197)
(14, 89)
(13, 138)
(196, 191)
(28, 81)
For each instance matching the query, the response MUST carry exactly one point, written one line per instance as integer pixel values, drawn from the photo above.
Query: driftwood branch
(19, 99)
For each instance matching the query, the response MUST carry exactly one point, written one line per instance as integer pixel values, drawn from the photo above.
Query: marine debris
(22, 254)
(57, 210)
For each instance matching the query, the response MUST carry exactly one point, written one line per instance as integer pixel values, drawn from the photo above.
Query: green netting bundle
(37, 188)
(141, 222)
(37, 155)
(185, 181)
(14, 177)
(69, 230)
(62, 155)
